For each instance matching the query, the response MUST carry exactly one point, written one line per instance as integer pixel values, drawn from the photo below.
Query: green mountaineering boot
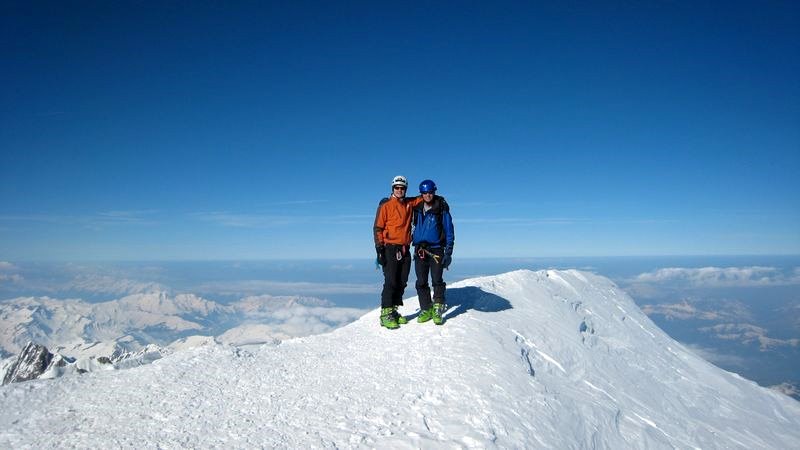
(425, 315)
(387, 319)
(398, 317)
(438, 310)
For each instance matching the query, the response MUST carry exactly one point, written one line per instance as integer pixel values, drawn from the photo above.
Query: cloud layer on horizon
(258, 287)
(748, 334)
(715, 277)
(689, 310)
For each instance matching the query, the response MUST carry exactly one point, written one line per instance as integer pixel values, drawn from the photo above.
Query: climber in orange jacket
(392, 233)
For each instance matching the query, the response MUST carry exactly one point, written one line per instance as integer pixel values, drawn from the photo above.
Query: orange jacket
(393, 221)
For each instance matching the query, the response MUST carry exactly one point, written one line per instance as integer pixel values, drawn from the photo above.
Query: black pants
(395, 274)
(423, 265)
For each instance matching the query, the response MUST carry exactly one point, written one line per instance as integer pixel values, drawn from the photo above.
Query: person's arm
(449, 234)
(449, 230)
(414, 201)
(377, 232)
(380, 222)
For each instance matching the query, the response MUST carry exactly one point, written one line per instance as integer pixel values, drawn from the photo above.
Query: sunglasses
(402, 188)
(426, 193)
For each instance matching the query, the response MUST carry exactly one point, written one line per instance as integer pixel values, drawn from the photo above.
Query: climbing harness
(422, 251)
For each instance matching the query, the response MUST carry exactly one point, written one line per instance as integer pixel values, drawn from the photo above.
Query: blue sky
(205, 130)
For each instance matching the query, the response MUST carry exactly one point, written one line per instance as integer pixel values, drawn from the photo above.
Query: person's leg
(437, 279)
(404, 267)
(390, 285)
(390, 277)
(421, 267)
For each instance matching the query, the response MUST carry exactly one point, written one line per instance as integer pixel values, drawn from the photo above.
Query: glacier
(546, 359)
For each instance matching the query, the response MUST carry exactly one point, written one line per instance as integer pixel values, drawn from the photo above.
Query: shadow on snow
(470, 297)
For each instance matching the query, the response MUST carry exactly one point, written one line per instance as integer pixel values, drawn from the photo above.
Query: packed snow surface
(549, 359)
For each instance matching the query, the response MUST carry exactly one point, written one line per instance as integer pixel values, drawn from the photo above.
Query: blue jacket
(433, 228)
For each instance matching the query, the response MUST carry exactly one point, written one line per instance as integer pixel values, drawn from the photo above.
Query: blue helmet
(427, 186)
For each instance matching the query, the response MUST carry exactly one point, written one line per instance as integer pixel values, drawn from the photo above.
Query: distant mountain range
(548, 359)
(139, 328)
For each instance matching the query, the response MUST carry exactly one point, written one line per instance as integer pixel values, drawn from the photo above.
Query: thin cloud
(296, 202)
(127, 216)
(238, 220)
(116, 218)
(748, 334)
(94, 221)
(720, 276)
(7, 275)
(295, 316)
(245, 220)
(518, 221)
(42, 218)
(479, 204)
(258, 287)
(787, 389)
(522, 221)
(108, 284)
(77, 279)
(686, 310)
(13, 278)
(268, 318)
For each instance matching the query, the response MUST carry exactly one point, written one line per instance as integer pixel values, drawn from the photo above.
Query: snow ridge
(548, 359)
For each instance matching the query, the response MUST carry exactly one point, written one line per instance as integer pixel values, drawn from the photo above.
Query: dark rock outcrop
(32, 361)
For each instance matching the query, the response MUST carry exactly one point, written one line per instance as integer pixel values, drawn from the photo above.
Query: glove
(448, 257)
(380, 250)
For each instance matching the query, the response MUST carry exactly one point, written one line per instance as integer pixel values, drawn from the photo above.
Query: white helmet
(399, 181)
